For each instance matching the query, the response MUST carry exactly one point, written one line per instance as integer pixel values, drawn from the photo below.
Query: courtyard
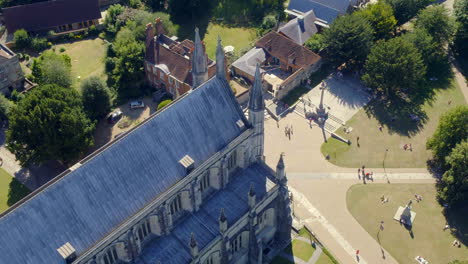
(87, 58)
(241, 38)
(428, 238)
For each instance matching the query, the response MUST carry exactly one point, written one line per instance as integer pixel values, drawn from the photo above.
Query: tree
(460, 8)
(128, 72)
(51, 68)
(316, 43)
(22, 39)
(433, 55)
(437, 22)
(111, 17)
(96, 97)
(453, 188)
(405, 10)
(5, 106)
(392, 66)
(452, 129)
(381, 18)
(164, 103)
(49, 124)
(348, 40)
(461, 32)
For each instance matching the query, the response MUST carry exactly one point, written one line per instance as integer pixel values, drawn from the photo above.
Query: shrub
(269, 21)
(22, 39)
(62, 49)
(92, 30)
(164, 103)
(39, 44)
(5, 106)
(16, 96)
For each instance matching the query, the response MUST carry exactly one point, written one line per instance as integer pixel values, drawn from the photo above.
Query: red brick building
(169, 63)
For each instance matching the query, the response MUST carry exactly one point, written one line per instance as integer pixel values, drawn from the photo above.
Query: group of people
(408, 147)
(288, 131)
(365, 175)
(418, 198)
(383, 199)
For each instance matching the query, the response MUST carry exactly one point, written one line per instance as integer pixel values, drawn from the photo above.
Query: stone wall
(11, 75)
(296, 79)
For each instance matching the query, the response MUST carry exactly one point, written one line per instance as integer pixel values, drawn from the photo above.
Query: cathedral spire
(222, 222)
(252, 196)
(220, 63)
(193, 246)
(256, 97)
(280, 169)
(199, 62)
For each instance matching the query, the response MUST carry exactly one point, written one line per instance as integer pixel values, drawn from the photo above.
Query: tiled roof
(88, 203)
(287, 50)
(46, 15)
(300, 29)
(248, 62)
(204, 223)
(175, 57)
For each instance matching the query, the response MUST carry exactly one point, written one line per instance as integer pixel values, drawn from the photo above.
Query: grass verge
(427, 239)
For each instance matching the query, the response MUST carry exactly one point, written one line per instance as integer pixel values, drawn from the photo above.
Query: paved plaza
(342, 98)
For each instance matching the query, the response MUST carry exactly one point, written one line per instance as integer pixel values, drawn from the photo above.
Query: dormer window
(67, 252)
(188, 164)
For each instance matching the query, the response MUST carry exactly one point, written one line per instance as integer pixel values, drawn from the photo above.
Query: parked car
(137, 104)
(114, 117)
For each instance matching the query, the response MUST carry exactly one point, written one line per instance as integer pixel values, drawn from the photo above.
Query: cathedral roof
(174, 248)
(86, 203)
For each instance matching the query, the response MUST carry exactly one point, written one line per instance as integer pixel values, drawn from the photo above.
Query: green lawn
(11, 191)
(87, 58)
(300, 249)
(429, 240)
(238, 37)
(324, 259)
(395, 134)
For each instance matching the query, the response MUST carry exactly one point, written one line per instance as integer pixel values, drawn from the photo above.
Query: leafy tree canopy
(431, 52)
(49, 124)
(437, 22)
(405, 10)
(461, 11)
(452, 129)
(348, 40)
(392, 66)
(461, 33)
(22, 39)
(315, 43)
(51, 68)
(5, 106)
(381, 18)
(96, 97)
(453, 188)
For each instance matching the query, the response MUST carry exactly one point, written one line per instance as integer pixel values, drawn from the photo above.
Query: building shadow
(17, 192)
(34, 176)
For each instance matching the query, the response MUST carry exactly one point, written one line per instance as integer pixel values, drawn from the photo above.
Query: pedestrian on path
(292, 130)
(357, 255)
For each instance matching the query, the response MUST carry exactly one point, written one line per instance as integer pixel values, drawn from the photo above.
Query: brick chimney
(159, 26)
(149, 33)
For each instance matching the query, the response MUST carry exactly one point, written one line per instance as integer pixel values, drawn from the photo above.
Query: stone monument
(404, 215)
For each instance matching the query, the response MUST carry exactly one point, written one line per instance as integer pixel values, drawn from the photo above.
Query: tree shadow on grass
(457, 220)
(405, 115)
(399, 117)
(17, 192)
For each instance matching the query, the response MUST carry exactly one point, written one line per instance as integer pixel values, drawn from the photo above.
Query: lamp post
(383, 163)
